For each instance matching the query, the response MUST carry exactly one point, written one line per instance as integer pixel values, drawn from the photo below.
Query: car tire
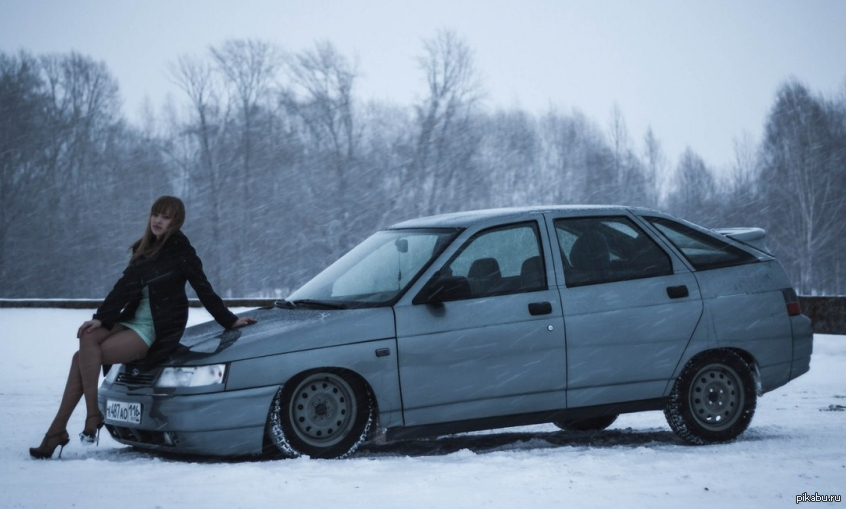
(322, 414)
(590, 424)
(713, 399)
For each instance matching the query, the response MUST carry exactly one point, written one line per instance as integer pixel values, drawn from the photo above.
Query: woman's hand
(247, 320)
(87, 327)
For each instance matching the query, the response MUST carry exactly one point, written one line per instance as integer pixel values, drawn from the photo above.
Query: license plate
(121, 411)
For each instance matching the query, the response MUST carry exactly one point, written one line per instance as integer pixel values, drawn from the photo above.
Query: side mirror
(443, 289)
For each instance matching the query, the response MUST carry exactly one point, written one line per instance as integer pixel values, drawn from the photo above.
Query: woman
(143, 317)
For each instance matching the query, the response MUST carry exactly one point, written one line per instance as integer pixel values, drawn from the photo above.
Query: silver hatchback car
(479, 320)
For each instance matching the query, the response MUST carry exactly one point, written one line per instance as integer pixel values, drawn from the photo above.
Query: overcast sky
(700, 73)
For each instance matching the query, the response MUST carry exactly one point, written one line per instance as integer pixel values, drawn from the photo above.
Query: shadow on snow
(477, 443)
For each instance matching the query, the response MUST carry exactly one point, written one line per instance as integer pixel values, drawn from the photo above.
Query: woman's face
(160, 223)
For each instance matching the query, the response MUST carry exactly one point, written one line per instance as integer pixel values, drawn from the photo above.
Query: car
(484, 319)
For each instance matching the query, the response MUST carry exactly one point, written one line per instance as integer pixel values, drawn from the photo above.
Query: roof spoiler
(753, 237)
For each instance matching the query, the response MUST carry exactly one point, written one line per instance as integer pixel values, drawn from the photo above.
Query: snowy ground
(796, 445)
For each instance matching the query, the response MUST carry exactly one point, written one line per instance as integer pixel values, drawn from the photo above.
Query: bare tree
(196, 79)
(510, 155)
(631, 182)
(745, 170)
(577, 161)
(65, 110)
(202, 173)
(741, 184)
(257, 140)
(325, 79)
(804, 170)
(655, 169)
(84, 116)
(620, 146)
(321, 97)
(23, 143)
(694, 192)
(446, 140)
(250, 69)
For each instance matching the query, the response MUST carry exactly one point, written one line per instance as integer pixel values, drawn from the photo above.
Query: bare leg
(97, 347)
(73, 388)
(119, 346)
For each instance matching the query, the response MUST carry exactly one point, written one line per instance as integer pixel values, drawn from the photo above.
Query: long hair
(148, 245)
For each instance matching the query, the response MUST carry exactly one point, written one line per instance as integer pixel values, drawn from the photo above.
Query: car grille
(140, 436)
(136, 377)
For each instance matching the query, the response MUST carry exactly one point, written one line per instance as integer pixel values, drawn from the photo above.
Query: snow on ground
(796, 444)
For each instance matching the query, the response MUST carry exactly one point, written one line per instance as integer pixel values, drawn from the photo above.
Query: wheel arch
(375, 362)
(750, 361)
(267, 443)
(714, 398)
(745, 355)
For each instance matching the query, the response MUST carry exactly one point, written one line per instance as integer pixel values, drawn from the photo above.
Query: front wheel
(713, 400)
(324, 414)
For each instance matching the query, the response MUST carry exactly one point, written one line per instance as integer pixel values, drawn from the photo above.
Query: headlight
(192, 377)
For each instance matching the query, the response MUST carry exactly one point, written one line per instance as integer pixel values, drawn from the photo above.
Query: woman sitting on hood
(143, 317)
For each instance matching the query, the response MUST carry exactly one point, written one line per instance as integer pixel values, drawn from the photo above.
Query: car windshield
(376, 272)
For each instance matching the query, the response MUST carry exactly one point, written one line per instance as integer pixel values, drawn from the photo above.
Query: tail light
(792, 302)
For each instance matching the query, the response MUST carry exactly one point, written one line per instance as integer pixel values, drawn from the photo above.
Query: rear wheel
(589, 424)
(713, 400)
(325, 414)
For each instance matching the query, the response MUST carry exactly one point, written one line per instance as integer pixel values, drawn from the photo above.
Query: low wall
(828, 314)
(95, 303)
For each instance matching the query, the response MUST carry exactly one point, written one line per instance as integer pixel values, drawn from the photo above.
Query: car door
(494, 348)
(630, 309)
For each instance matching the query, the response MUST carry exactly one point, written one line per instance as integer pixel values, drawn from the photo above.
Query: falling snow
(795, 445)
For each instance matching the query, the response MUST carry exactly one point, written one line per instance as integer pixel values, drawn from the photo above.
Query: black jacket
(164, 275)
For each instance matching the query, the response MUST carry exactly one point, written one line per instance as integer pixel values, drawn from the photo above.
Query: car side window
(605, 249)
(703, 251)
(501, 261)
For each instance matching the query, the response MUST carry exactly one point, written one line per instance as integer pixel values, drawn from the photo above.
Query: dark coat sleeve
(126, 290)
(192, 267)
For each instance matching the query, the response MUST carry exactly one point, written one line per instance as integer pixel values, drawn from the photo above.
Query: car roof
(471, 217)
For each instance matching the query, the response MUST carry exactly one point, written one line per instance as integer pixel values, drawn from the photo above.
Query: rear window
(703, 251)
(606, 249)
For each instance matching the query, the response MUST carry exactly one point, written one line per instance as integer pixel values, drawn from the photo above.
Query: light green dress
(142, 322)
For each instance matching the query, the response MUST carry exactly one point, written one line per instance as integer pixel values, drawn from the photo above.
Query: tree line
(283, 169)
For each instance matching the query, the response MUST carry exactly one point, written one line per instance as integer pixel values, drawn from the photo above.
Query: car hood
(282, 331)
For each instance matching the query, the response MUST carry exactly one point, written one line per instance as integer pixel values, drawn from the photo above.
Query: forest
(283, 169)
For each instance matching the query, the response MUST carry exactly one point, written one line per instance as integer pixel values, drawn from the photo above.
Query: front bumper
(227, 423)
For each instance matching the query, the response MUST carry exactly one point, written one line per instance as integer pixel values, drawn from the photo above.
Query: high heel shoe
(49, 444)
(91, 435)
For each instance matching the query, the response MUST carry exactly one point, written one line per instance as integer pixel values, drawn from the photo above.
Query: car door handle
(677, 292)
(540, 308)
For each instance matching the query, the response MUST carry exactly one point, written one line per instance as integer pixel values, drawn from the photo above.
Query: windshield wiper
(320, 304)
(282, 303)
